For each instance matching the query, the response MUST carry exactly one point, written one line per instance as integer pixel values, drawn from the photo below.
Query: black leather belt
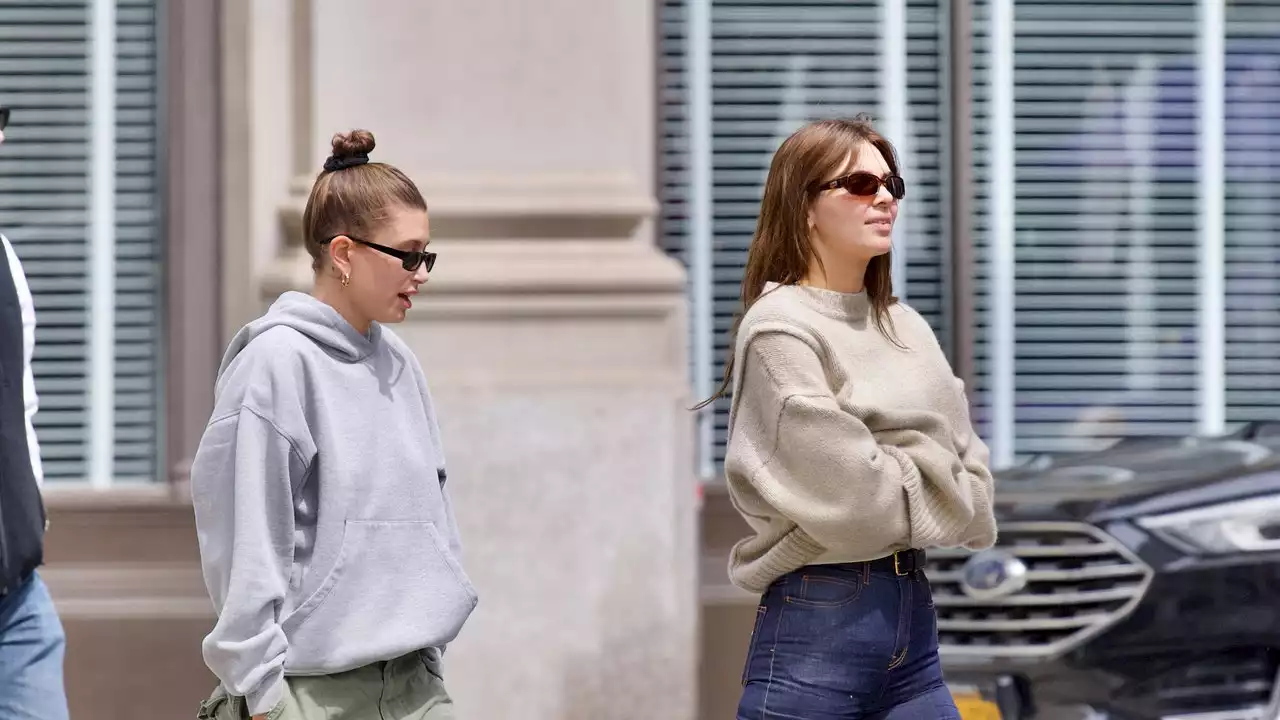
(903, 562)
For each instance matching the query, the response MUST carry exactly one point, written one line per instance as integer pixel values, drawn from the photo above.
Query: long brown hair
(780, 250)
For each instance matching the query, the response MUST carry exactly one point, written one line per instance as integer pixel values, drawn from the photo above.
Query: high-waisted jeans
(850, 641)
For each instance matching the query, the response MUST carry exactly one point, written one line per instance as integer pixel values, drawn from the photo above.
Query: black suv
(1136, 583)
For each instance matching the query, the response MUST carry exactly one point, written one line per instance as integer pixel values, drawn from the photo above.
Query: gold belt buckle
(897, 567)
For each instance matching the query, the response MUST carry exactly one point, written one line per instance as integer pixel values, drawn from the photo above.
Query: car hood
(1135, 474)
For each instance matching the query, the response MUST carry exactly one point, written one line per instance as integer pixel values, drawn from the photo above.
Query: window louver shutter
(1106, 202)
(1253, 210)
(776, 65)
(44, 194)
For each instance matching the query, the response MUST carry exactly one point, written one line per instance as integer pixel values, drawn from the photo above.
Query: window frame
(192, 142)
(190, 175)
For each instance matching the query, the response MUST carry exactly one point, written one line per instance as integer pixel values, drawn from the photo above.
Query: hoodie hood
(314, 319)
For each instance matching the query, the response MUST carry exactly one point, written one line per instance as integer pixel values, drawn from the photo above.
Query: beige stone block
(581, 546)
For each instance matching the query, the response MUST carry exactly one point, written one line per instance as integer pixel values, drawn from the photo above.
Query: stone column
(552, 331)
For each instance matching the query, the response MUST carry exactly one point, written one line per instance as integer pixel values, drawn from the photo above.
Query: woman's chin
(875, 245)
(391, 315)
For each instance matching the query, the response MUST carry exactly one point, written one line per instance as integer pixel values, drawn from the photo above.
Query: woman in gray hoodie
(326, 534)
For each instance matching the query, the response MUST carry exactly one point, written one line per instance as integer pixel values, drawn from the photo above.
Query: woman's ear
(340, 255)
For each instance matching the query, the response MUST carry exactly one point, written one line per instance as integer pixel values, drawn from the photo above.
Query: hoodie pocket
(394, 588)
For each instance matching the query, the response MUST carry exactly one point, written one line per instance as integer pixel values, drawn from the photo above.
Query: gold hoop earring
(346, 279)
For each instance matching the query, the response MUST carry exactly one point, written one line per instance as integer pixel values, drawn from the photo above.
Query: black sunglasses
(4, 117)
(864, 184)
(410, 260)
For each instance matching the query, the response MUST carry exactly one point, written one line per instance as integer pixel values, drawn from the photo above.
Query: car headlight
(1251, 525)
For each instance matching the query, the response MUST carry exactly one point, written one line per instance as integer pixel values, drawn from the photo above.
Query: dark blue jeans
(847, 642)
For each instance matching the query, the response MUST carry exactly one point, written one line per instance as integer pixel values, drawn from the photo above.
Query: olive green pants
(407, 688)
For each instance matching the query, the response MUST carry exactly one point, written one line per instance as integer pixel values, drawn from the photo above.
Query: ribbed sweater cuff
(932, 518)
(981, 532)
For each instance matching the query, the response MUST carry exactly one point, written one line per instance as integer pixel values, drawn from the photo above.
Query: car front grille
(1079, 582)
(1239, 683)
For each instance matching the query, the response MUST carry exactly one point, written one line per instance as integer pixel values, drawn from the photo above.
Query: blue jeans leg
(32, 646)
(936, 704)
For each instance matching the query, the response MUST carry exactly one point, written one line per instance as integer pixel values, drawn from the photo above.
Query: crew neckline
(832, 303)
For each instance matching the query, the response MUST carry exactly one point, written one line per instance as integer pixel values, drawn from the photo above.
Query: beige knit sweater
(844, 447)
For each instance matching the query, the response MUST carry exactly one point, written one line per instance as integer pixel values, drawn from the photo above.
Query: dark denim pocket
(751, 645)
(822, 590)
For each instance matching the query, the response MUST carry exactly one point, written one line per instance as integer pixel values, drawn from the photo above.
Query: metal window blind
(44, 193)
(1252, 98)
(774, 66)
(1105, 221)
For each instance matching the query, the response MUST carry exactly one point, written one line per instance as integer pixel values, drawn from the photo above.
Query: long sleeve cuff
(264, 699)
(935, 518)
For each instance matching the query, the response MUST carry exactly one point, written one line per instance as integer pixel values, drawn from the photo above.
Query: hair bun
(352, 143)
(349, 149)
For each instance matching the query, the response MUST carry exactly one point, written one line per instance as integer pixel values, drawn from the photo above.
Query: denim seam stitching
(773, 657)
(904, 623)
(804, 590)
(757, 629)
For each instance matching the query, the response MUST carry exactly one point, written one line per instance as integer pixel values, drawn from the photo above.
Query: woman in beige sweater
(850, 447)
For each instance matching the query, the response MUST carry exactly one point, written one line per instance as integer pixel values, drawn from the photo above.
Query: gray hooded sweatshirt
(326, 533)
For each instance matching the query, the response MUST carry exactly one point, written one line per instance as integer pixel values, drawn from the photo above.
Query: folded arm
(974, 484)
(820, 465)
(976, 457)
